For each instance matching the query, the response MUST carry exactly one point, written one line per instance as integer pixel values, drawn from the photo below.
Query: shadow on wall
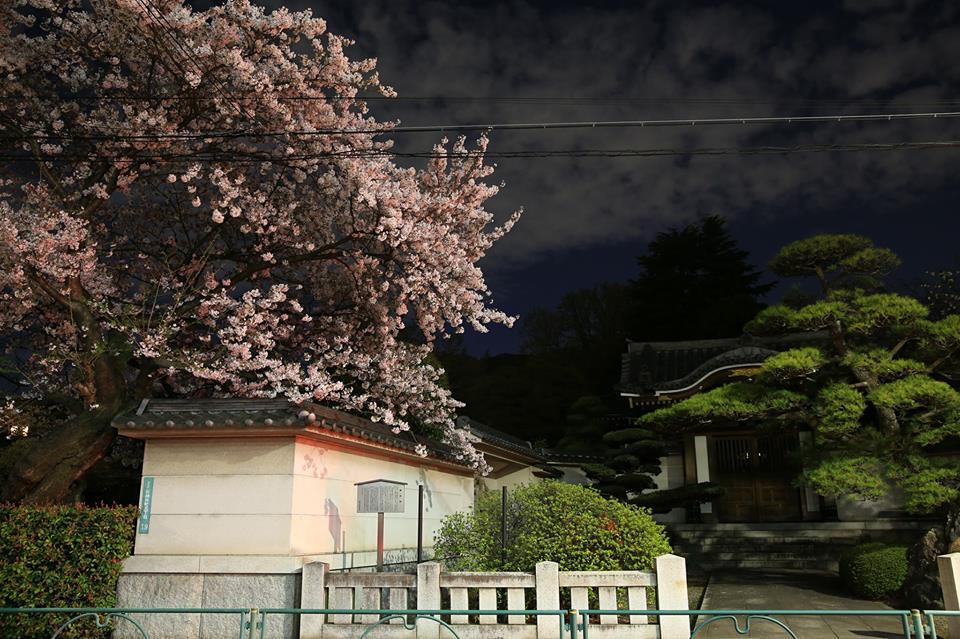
(334, 523)
(427, 493)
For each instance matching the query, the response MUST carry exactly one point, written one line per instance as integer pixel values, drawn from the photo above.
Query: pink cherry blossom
(171, 222)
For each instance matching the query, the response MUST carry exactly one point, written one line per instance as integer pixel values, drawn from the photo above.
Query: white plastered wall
(512, 480)
(670, 476)
(325, 501)
(281, 497)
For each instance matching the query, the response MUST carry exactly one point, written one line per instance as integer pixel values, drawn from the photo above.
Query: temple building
(756, 469)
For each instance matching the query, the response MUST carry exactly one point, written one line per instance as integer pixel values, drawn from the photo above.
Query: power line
(807, 102)
(147, 5)
(517, 126)
(559, 153)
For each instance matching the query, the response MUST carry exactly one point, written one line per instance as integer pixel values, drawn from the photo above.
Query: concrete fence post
(672, 595)
(428, 598)
(949, 566)
(313, 596)
(548, 598)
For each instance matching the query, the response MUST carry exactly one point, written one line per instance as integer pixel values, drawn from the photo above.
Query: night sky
(586, 219)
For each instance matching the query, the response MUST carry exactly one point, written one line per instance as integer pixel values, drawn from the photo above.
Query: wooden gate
(756, 472)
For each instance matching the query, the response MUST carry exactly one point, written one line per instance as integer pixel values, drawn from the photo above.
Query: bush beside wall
(572, 525)
(874, 570)
(60, 556)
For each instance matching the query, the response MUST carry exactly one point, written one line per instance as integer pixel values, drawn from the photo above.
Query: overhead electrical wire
(801, 102)
(509, 126)
(233, 158)
(149, 7)
(166, 29)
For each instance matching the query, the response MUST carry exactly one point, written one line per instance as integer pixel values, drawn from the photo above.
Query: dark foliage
(874, 570)
(695, 283)
(60, 556)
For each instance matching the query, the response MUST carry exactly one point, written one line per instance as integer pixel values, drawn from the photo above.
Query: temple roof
(166, 417)
(263, 417)
(652, 369)
(490, 435)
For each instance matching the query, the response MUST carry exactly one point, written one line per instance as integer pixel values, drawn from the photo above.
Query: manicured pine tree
(872, 394)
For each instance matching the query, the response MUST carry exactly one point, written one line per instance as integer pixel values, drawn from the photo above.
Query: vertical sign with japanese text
(146, 505)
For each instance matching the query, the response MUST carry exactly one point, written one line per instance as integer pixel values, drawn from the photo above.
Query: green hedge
(572, 525)
(60, 556)
(874, 570)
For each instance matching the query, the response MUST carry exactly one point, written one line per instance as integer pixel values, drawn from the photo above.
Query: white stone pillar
(313, 596)
(428, 598)
(548, 598)
(702, 459)
(949, 566)
(810, 498)
(672, 595)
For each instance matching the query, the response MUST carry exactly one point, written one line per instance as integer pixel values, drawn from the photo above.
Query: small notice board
(146, 505)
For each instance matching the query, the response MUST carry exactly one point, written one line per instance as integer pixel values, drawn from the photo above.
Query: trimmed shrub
(60, 557)
(874, 570)
(572, 525)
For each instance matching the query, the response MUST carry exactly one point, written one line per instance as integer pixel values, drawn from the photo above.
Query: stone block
(313, 596)
(548, 598)
(135, 590)
(250, 591)
(428, 598)
(672, 594)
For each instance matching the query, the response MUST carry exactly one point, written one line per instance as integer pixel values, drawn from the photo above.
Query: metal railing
(912, 621)
(252, 623)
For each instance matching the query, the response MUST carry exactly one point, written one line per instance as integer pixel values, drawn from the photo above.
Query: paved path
(788, 590)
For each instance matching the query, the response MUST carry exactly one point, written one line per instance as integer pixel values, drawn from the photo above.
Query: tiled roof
(648, 367)
(197, 415)
(490, 435)
(565, 457)
(259, 414)
(545, 456)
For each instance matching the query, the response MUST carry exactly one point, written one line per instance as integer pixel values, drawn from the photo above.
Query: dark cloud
(585, 218)
(677, 60)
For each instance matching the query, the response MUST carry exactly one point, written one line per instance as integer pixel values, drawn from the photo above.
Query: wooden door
(756, 474)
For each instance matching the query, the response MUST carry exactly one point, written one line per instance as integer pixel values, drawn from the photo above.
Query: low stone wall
(314, 586)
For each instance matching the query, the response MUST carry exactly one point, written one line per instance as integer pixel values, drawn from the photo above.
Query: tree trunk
(43, 469)
(922, 587)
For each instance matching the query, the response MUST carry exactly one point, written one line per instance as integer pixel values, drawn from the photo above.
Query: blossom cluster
(201, 199)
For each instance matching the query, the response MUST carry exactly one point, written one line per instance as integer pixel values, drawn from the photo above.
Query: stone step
(760, 534)
(771, 556)
(780, 546)
(710, 566)
(748, 542)
(753, 552)
(825, 527)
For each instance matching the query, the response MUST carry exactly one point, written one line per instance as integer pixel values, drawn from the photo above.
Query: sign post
(380, 496)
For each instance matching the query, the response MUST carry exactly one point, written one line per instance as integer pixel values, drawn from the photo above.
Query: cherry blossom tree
(200, 204)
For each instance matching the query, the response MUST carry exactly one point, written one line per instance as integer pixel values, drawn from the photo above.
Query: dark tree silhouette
(695, 283)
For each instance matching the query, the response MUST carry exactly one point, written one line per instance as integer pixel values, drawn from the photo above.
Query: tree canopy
(695, 283)
(199, 203)
(871, 389)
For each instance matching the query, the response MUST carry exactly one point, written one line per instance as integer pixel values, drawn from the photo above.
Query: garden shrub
(874, 570)
(572, 525)
(60, 556)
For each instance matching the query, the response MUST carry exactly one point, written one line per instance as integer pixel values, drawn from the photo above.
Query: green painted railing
(252, 623)
(912, 621)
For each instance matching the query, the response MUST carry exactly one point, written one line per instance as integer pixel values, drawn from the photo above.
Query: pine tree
(871, 393)
(695, 283)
